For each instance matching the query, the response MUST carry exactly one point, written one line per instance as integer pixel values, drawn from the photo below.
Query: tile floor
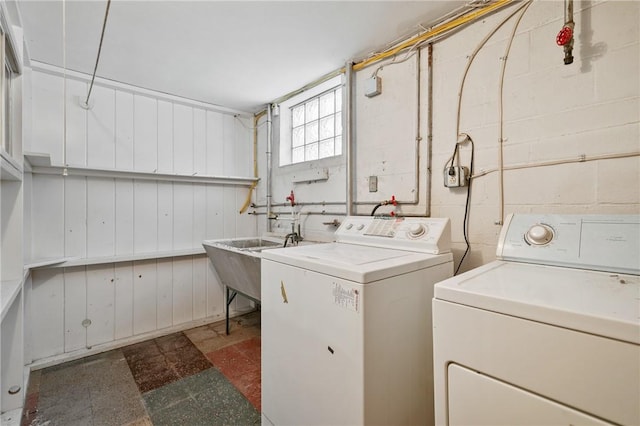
(196, 377)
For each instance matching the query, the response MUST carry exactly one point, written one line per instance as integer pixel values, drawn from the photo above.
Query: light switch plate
(373, 183)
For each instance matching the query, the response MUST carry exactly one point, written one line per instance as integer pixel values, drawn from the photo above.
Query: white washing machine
(346, 326)
(548, 334)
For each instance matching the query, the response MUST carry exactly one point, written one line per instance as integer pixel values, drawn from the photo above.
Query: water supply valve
(564, 36)
(291, 198)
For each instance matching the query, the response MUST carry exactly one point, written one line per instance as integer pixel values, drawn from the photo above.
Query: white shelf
(11, 170)
(41, 164)
(69, 262)
(48, 262)
(9, 290)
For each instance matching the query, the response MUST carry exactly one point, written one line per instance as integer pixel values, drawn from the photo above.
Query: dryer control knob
(539, 235)
(360, 227)
(417, 230)
(349, 226)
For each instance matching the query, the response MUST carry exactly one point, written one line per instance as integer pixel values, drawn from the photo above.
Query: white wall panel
(165, 137)
(146, 134)
(48, 217)
(101, 129)
(145, 297)
(100, 217)
(245, 223)
(199, 141)
(146, 216)
(243, 142)
(75, 216)
(165, 216)
(124, 130)
(182, 290)
(230, 148)
(90, 217)
(76, 123)
(215, 143)
(215, 292)
(47, 92)
(47, 319)
(230, 211)
(164, 295)
(123, 300)
(75, 308)
(124, 221)
(200, 286)
(182, 216)
(215, 212)
(183, 139)
(199, 214)
(100, 304)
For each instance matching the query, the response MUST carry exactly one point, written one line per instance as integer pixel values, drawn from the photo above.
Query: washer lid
(362, 264)
(606, 304)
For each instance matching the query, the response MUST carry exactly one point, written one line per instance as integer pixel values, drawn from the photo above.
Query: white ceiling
(237, 54)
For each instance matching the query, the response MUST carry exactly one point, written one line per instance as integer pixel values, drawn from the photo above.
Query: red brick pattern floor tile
(240, 364)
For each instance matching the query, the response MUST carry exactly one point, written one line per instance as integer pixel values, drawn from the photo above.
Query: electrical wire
(95, 69)
(434, 32)
(501, 112)
(580, 159)
(467, 213)
(410, 53)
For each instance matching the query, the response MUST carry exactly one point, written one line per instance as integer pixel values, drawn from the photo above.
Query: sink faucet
(294, 236)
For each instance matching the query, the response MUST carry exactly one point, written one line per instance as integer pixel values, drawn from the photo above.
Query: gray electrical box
(373, 87)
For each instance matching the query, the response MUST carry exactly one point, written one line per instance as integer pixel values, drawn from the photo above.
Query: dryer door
(476, 399)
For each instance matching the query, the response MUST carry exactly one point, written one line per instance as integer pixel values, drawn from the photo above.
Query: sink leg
(231, 294)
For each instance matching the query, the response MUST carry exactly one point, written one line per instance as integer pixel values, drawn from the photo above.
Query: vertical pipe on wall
(349, 135)
(269, 166)
(429, 126)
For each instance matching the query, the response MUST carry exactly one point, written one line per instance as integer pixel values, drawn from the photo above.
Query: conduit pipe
(269, 166)
(347, 119)
(247, 201)
(580, 159)
(417, 146)
(429, 127)
(501, 114)
(465, 19)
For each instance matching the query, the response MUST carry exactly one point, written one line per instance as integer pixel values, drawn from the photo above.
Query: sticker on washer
(348, 298)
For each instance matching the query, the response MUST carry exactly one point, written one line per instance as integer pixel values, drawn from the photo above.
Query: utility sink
(237, 262)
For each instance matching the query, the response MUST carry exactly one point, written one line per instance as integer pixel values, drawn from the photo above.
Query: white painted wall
(90, 217)
(552, 112)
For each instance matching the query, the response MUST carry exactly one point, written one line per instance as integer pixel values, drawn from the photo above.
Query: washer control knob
(417, 230)
(349, 226)
(539, 235)
(360, 227)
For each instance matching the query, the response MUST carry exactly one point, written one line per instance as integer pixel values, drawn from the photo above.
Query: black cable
(95, 69)
(465, 226)
(375, 208)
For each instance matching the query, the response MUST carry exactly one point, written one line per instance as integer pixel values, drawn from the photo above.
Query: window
(316, 127)
(6, 108)
(6, 79)
(311, 124)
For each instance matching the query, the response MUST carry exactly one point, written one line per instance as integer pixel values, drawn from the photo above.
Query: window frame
(285, 133)
(10, 63)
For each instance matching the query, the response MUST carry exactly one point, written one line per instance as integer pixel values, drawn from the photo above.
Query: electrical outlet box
(373, 183)
(373, 87)
(456, 176)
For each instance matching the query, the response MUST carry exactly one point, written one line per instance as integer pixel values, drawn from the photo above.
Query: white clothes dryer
(346, 326)
(547, 334)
